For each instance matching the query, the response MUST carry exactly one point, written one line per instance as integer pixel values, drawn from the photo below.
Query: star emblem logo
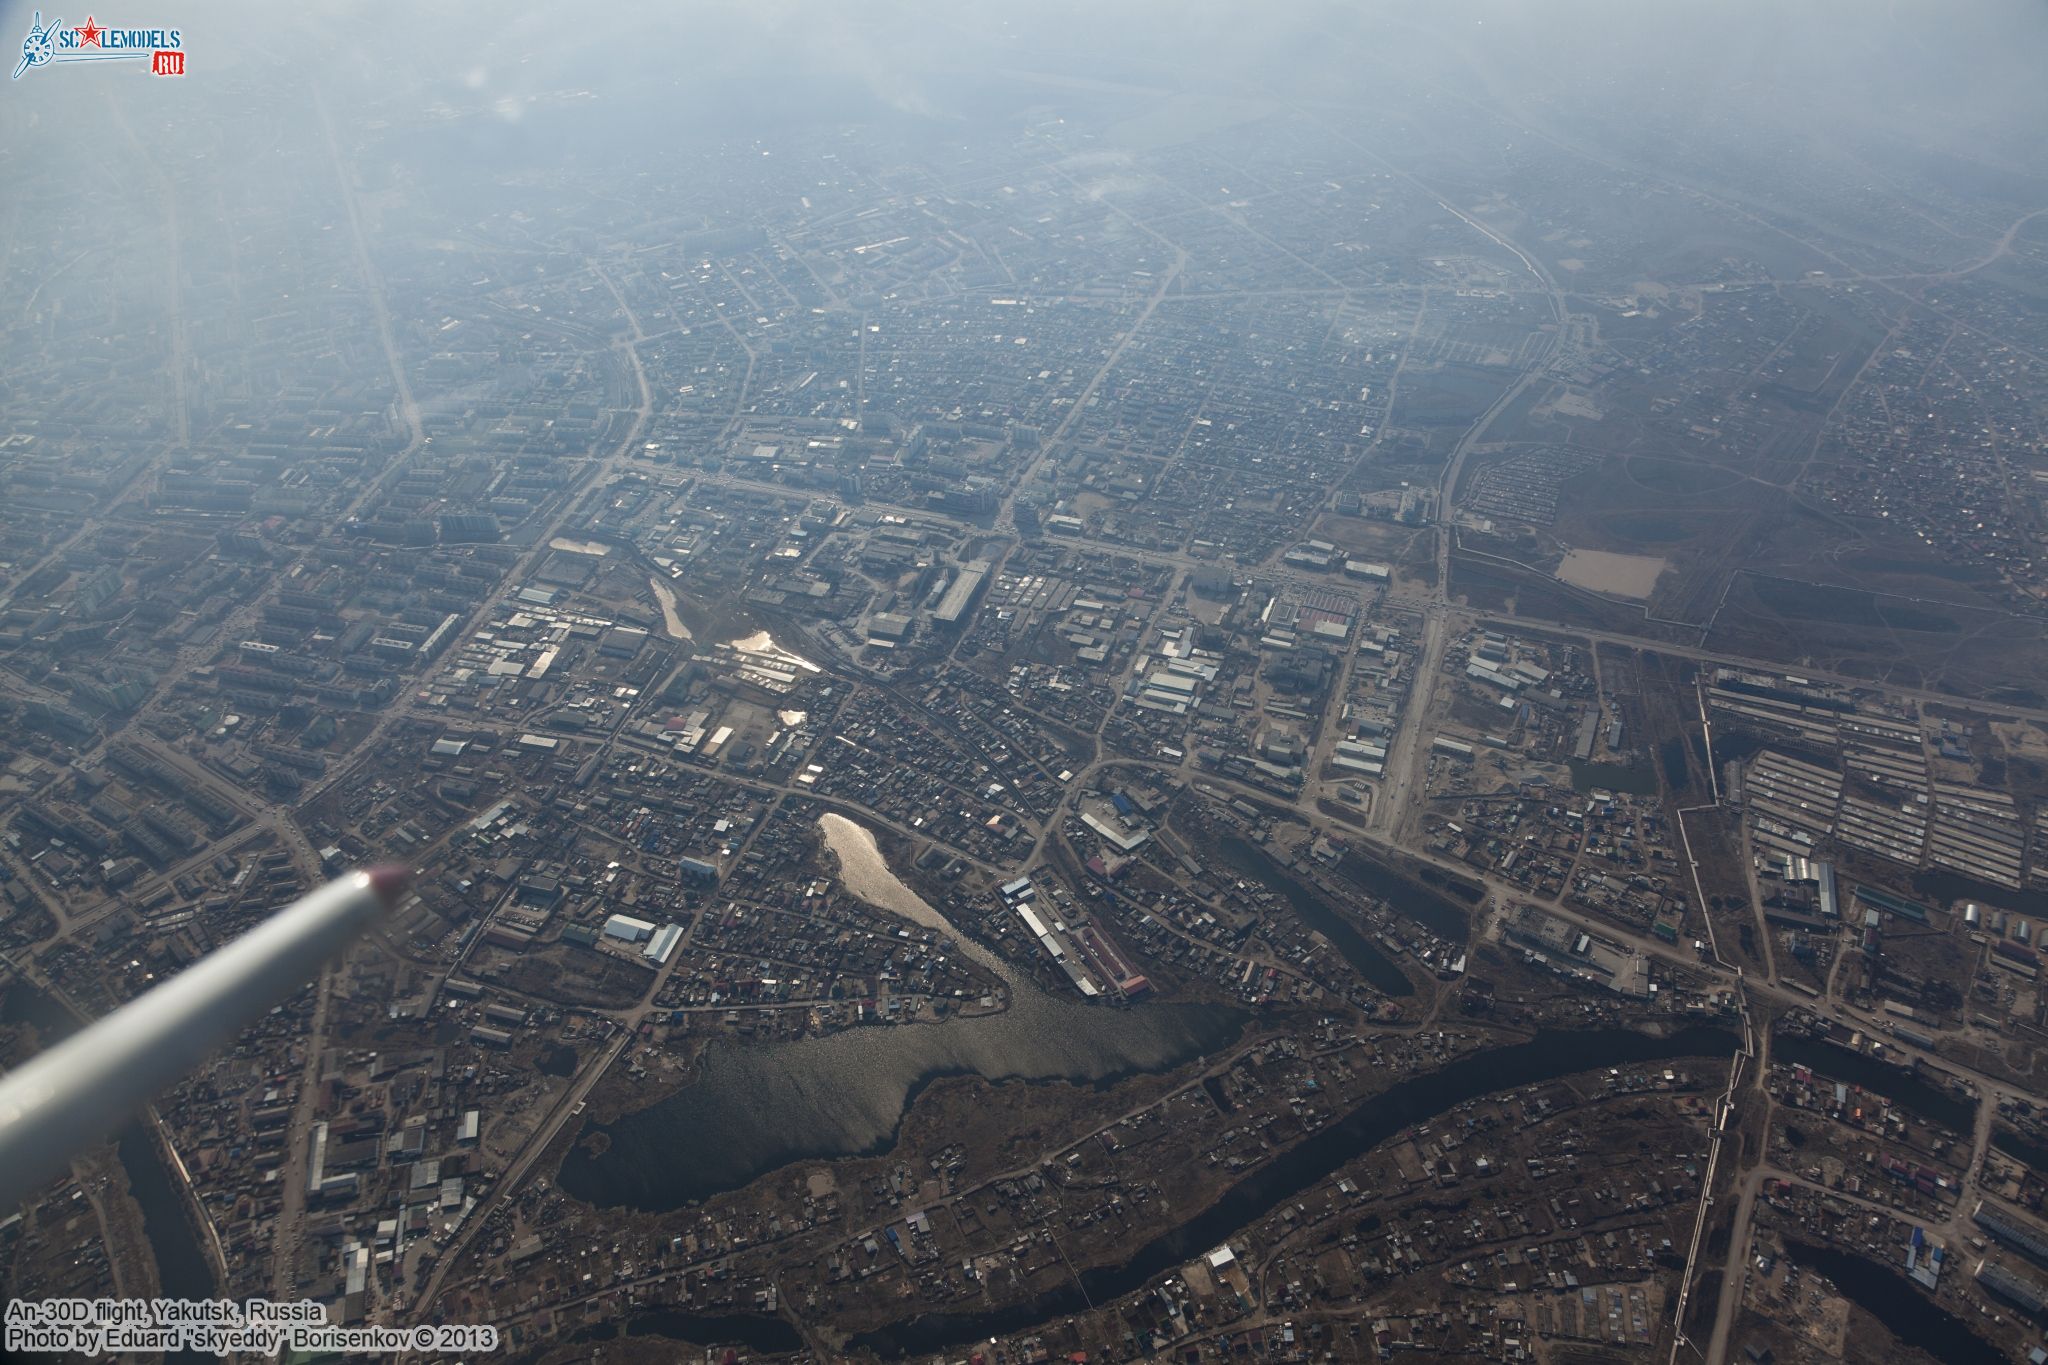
(88, 33)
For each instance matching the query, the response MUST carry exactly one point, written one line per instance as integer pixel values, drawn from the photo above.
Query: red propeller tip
(390, 883)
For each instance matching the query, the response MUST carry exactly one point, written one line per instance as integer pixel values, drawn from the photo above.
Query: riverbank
(182, 1268)
(1548, 1056)
(1904, 1309)
(756, 1108)
(1365, 957)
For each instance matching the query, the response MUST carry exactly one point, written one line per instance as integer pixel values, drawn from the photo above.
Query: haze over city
(1083, 682)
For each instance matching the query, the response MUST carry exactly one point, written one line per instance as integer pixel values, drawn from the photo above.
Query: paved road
(515, 1174)
(1735, 1263)
(1408, 756)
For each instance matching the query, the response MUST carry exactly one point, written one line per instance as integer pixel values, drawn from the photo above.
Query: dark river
(1545, 1057)
(1430, 897)
(182, 1268)
(1353, 946)
(756, 1331)
(1895, 1083)
(1905, 1309)
(755, 1108)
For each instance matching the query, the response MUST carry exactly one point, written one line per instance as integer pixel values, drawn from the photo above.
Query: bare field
(1970, 652)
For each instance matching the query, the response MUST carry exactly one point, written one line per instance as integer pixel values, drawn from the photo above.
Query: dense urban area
(1168, 723)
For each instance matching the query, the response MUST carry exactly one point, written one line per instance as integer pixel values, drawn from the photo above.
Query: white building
(627, 929)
